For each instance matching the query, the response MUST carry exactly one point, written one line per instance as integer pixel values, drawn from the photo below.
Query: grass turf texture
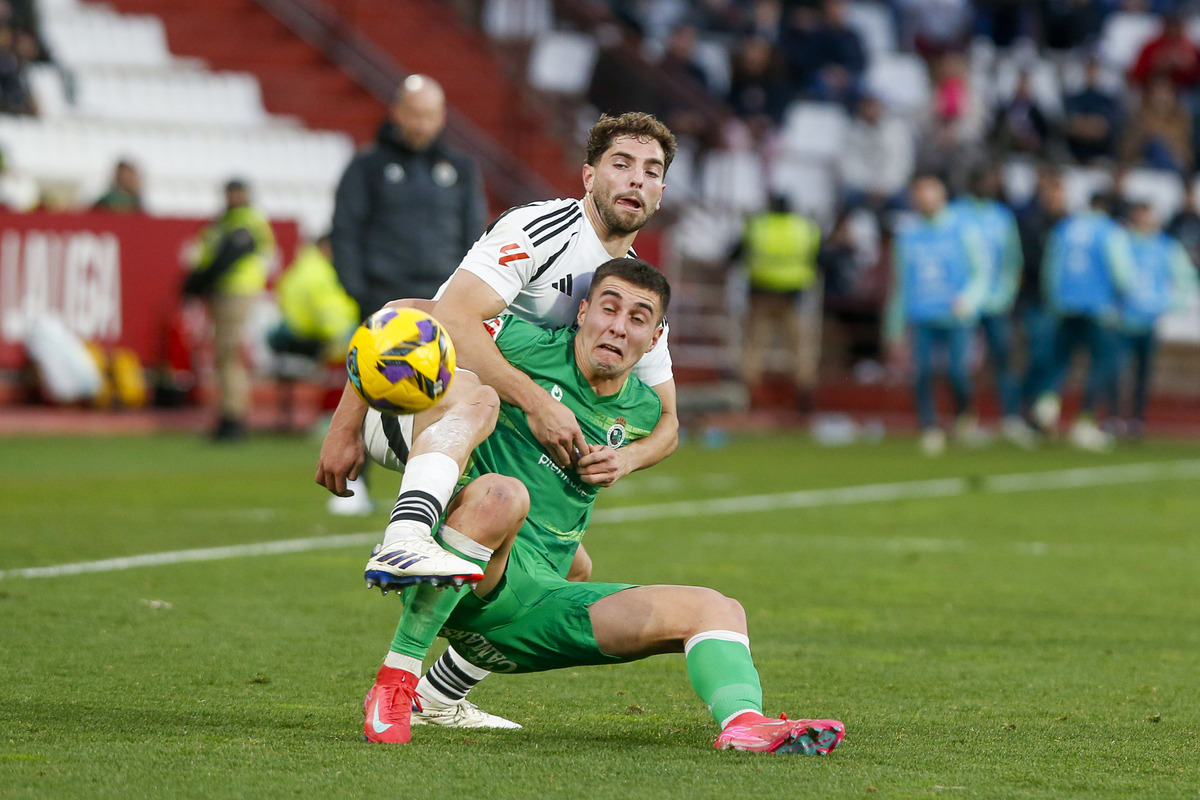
(1039, 644)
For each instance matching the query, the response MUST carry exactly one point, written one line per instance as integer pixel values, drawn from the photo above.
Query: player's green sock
(723, 674)
(426, 609)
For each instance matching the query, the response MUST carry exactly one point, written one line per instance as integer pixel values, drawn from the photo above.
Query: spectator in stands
(953, 143)
(235, 252)
(758, 91)
(124, 194)
(939, 281)
(877, 159)
(1088, 269)
(407, 210)
(836, 56)
(1068, 24)
(779, 251)
(15, 97)
(1092, 119)
(1021, 126)
(1164, 280)
(982, 207)
(1160, 133)
(936, 27)
(1171, 54)
(1036, 222)
(679, 57)
(1185, 225)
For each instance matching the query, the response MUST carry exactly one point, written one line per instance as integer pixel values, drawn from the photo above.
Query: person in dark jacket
(407, 208)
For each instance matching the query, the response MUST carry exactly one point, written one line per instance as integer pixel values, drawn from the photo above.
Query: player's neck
(615, 245)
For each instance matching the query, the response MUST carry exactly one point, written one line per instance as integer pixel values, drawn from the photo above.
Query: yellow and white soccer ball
(401, 361)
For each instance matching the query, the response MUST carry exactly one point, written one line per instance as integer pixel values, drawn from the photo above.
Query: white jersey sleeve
(655, 367)
(513, 251)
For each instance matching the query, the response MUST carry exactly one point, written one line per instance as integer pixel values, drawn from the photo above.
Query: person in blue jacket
(1087, 270)
(982, 207)
(1164, 280)
(940, 271)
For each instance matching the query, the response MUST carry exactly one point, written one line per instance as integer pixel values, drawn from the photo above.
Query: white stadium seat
(814, 130)
(1124, 35)
(562, 62)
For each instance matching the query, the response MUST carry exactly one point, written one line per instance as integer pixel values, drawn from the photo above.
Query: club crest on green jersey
(616, 434)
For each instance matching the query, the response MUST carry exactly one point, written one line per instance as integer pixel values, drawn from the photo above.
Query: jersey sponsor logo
(510, 253)
(564, 284)
(394, 173)
(494, 326)
(544, 461)
(556, 392)
(616, 434)
(444, 174)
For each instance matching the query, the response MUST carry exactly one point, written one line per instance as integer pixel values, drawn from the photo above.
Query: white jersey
(540, 258)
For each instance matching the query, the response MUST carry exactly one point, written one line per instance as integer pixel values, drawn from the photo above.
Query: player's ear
(589, 175)
(654, 339)
(658, 205)
(583, 307)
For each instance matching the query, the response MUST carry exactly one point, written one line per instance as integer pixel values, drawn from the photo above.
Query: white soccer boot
(1086, 435)
(418, 560)
(933, 441)
(462, 714)
(1016, 431)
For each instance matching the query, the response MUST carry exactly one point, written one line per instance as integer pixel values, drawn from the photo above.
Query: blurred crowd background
(826, 110)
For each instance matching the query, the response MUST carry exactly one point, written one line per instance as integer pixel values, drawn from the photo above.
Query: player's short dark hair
(641, 274)
(637, 124)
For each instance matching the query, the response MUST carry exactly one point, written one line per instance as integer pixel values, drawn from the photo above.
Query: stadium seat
(562, 62)
(1043, 77)
(734, 180)
(517, 20)
(814, 130)
(811, 188)
(875, 25)
(712, 54)
(901, 80)
(1124, 35)
(1161, 189)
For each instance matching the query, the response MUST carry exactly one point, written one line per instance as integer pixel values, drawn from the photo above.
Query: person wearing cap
(235, 251)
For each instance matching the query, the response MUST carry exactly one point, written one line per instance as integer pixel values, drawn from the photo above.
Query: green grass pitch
(1041, 643)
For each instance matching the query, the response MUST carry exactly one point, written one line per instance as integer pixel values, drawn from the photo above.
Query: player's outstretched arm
(466, 302)
(343, 453)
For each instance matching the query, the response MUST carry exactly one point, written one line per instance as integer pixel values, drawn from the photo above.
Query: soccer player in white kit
(535, 261)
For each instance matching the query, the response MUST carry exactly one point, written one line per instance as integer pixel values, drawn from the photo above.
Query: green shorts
(534, 620)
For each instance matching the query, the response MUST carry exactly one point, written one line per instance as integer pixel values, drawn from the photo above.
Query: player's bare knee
(502, 501)
(714, 610)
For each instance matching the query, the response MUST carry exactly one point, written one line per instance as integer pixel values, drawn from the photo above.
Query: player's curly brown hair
(637, 124)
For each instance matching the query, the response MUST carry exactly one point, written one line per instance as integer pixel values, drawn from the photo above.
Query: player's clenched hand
(342, 457)
(556, 428)
(603, 466)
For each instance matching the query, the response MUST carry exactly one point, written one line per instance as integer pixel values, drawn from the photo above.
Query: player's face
(626, 183)
(617, 327)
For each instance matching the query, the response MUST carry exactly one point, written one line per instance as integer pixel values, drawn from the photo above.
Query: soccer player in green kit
(524, 616)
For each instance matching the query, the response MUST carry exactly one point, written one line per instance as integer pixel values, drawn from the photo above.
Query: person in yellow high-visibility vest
(779, 252)
(318, 316)
(236, 250)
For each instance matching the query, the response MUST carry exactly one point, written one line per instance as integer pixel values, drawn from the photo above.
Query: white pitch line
(813, 498)
(205, 554)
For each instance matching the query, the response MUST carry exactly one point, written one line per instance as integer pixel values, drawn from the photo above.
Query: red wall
(112, 278)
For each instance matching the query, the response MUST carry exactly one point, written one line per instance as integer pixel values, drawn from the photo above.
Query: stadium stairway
(418, 34)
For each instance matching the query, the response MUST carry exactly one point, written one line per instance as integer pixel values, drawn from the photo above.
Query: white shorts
(388, 438)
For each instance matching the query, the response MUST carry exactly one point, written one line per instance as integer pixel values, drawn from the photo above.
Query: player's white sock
(449, 679)
(429, 480)
(400, 661)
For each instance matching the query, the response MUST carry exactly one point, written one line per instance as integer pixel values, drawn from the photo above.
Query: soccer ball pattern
(401, 361)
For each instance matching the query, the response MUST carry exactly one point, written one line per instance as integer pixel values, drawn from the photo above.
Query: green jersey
(562, 502)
